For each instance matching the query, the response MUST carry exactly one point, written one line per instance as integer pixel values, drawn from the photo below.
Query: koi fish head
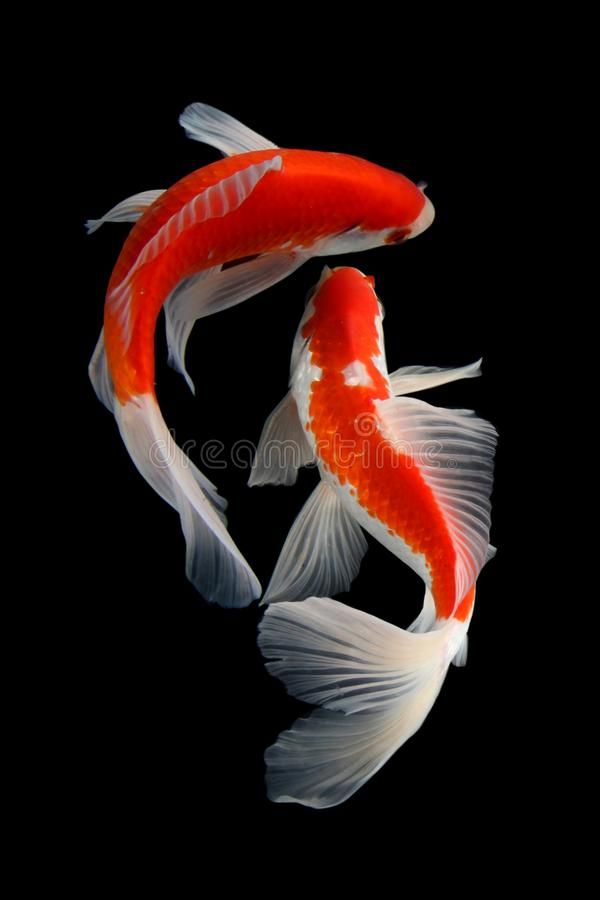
(342, 308)
(408, 200)
(393, 210)
(339, 293)
(420, 224)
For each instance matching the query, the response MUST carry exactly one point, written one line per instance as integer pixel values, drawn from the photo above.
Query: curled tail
(375, 681)
(214, 564)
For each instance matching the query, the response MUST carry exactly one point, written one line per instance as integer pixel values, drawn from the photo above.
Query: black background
(169, 705)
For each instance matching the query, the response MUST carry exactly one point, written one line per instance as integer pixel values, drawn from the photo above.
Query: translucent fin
(376, 681)
(322, 553)
(208, 488)
(215, 202)
(454, 452)
(426, 618)
(215, 290)
(235, 284)
(214, 564)
(178, 330)
(460, 659)
(323, 759)
(217, 129)
(410, 379)
(100, 375)
(283, 447)
(128, 210)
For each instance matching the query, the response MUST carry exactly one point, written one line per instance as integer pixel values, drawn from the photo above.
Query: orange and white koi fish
(418, 479)
(216, 238)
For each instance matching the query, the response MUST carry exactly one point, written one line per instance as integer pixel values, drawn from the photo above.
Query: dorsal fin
(214, 202)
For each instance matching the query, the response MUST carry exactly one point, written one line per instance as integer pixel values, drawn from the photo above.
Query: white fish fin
(236, 284)
(410, 379)
(426, 618)
(376, 681)
(178, 330)
(283, 447)
(454, 452)
(460, 659)
(425, 621)
(100, 374)
(322, 553)
(461, 654)
(210, 126)
(215, 290)
(214, 564)
(209, 488)
(128, 210)
(213, 203)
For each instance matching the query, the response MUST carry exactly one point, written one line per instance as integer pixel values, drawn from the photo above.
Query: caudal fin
(214, 564)
(375, 681)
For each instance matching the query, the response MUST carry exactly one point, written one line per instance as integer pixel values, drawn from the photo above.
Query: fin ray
(218, 289)
(376, 682)
(454, 452)
(128, 210)
(321, 554)
(283, 447)
(410, 379)
(215, 201)
(100, 375)
(214, 564)
(211, 126)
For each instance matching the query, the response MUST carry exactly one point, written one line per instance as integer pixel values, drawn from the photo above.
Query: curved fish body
(415, 477)
(217, 237)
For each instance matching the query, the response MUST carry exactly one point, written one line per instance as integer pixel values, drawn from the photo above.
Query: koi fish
(217, 237)
(415, 477)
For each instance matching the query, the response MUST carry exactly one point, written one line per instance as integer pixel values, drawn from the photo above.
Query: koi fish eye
(396, 237)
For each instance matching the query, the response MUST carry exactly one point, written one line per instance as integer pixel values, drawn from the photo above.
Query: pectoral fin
(210, 126)
(218, 289)
(283, 447)
(411, 379)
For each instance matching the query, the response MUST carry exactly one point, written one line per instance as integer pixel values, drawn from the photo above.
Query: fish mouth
(423, 220)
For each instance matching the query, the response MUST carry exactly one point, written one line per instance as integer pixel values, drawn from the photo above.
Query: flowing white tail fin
(214, 564)
(377, 683)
